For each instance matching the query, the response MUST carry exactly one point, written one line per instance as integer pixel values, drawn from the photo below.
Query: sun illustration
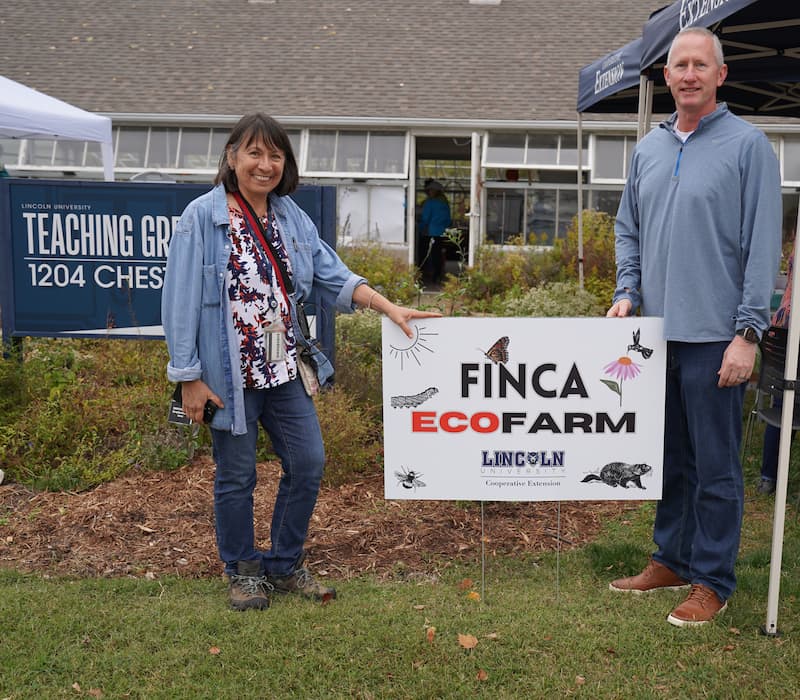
(413, 350)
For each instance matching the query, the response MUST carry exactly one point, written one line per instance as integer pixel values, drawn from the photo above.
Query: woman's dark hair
(258, 127)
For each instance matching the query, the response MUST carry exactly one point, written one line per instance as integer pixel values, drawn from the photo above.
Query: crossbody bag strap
(266, 245)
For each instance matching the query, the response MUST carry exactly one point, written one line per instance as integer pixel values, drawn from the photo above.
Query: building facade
(377, 97)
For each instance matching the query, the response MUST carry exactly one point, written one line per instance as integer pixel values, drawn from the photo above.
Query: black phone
(208, 410)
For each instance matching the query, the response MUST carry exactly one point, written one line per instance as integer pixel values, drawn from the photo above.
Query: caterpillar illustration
(415, 400)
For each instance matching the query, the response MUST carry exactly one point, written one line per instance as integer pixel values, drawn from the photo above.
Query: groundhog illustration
(620, 474)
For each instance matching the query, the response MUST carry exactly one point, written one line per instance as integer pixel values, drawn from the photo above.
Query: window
(38, 152)
(371, 212)
(131, 147)
(162, 151)
(9, 152)
(350, 153)
(505, 148)
(69, 153)
(612, 157)
(194, 153)
(542, 149)
(387, 152)
(532, 150)
(219, 137)
(321, 151)
(791, 159)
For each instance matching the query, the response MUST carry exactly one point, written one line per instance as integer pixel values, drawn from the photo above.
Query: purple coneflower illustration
(622, 368)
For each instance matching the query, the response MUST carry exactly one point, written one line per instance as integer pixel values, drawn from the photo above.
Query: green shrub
(497, 272)
(392, 276)
(358, 357)
(87, 411)
(599, 261)
(352, 437)
(554, 299)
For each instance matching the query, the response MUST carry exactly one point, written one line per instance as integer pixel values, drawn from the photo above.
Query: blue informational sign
(87, 259)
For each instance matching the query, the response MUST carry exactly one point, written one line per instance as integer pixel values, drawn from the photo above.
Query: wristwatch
(748, 334)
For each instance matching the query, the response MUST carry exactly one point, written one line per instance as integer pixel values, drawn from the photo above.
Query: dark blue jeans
(699, 518)
(289, 418)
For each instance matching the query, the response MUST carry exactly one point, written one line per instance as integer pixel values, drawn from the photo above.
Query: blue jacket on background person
(186, 296)
(435, 217)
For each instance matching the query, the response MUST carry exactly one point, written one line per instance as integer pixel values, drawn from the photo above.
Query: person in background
(241, 260)
(3, 171)
(435, 218)
(698, 239)
(772, 434)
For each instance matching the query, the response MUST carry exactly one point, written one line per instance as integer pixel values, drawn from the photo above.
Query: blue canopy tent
(761, 43)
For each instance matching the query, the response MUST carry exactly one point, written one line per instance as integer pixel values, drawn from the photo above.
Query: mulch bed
(156, 523)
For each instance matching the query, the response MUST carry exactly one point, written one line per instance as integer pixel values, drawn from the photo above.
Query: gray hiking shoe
(248, 588)
(301, 581)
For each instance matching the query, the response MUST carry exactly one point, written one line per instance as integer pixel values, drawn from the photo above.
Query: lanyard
(266, 245)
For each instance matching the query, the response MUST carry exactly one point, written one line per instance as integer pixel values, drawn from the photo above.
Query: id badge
(274, 345)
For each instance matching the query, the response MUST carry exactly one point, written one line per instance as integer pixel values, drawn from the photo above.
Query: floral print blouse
(258, 304)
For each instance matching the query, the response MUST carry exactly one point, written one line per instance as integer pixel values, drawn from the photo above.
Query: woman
(434, 220)
(241, 259)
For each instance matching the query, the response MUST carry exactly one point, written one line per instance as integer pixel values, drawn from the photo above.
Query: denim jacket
(195, 309)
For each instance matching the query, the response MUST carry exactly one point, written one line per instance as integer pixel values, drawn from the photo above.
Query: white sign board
(524, 409)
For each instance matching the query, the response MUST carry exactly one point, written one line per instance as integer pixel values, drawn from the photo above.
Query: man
(698, 242)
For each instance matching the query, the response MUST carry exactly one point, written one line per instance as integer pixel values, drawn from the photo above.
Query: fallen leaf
(76, 687)
(214, 650)
(417, 665)
(467, 641)
(482, 675)
(492, 635)
(327, 598)
(419, 607)
(728, 647)
(96, 692)
(430, 633)
(579, 680)
(465, 584)
(734, 630)
(474, 595)
(680, 665)
(611, 651)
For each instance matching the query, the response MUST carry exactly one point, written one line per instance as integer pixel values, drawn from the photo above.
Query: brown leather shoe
(655, 577)
(700, 607)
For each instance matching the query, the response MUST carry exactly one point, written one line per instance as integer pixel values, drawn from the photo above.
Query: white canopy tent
(27, 113)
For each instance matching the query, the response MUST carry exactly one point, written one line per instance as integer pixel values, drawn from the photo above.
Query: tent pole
(580, 201)
(411, 200)
(790, 374)
(108, 161)
(475, 211)
(642, 107)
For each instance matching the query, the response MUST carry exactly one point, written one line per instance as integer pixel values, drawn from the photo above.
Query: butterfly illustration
(646, 352)
(498, 353)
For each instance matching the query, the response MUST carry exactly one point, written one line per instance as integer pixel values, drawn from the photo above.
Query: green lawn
(546, 628)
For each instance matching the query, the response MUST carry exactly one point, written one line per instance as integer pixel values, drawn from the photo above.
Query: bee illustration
(409, 479)
(646, 352)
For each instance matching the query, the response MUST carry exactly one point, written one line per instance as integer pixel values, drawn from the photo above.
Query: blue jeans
(289, 418)
(699, 518)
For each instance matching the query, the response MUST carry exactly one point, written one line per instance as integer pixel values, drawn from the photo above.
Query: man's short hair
(702, 31)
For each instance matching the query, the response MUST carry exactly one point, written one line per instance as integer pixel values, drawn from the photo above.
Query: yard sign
(524, 409)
